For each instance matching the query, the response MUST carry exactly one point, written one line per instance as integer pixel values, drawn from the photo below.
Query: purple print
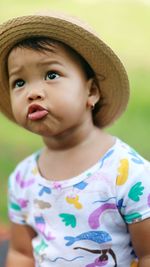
(95, 215)
(97, 263)
(22, 182)
(148, 200)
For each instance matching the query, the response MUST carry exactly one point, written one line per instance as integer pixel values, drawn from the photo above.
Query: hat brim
(114, 87)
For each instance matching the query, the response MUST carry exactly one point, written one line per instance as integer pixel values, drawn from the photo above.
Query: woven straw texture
(114, 87)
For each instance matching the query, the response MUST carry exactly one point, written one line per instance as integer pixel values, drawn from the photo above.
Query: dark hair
(40, 43)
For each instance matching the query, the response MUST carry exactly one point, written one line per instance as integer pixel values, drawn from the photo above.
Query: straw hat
(114, 87)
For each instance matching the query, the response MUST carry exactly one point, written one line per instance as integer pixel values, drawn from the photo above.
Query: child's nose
(35, 94)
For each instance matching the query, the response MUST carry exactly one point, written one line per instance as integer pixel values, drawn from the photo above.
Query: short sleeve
(133, 188)
(16, 212)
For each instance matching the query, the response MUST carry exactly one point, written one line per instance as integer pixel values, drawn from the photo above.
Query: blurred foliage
(124, 25)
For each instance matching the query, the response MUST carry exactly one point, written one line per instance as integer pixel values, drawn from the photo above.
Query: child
(84, 199)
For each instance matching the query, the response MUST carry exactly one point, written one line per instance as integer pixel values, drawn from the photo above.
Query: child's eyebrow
(15, 71)
(42, 63)
(50, 62)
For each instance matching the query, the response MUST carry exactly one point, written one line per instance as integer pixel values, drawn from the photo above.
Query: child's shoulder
(128, 151)
(27, 164)
(129, 157)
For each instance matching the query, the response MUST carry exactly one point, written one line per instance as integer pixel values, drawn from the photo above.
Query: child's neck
(71, 138)
(79, 155)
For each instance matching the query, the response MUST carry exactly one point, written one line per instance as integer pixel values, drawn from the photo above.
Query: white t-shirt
(82, 221)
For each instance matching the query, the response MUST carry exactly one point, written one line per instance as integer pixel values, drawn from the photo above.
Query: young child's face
(49, 90)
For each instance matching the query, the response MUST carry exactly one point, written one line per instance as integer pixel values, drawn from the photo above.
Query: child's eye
(52, 75)
(18, 83)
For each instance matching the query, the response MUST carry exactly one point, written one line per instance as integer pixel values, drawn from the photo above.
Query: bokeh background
(123, 25)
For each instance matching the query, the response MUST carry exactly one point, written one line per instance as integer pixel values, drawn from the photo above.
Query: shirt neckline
(75, 179)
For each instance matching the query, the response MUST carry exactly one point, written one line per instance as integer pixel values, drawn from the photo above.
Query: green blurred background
(124, 25)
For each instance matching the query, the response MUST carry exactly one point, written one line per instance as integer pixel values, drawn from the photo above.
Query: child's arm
(20, 250)
(140, 235)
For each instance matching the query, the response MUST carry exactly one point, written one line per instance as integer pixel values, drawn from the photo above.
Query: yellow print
(123, 172)
(35, 171)
(74, 201)
(134, 264)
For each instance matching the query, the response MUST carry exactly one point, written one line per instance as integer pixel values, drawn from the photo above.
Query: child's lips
(36, 112)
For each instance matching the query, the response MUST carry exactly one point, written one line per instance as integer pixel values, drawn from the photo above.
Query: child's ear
(93, 93)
